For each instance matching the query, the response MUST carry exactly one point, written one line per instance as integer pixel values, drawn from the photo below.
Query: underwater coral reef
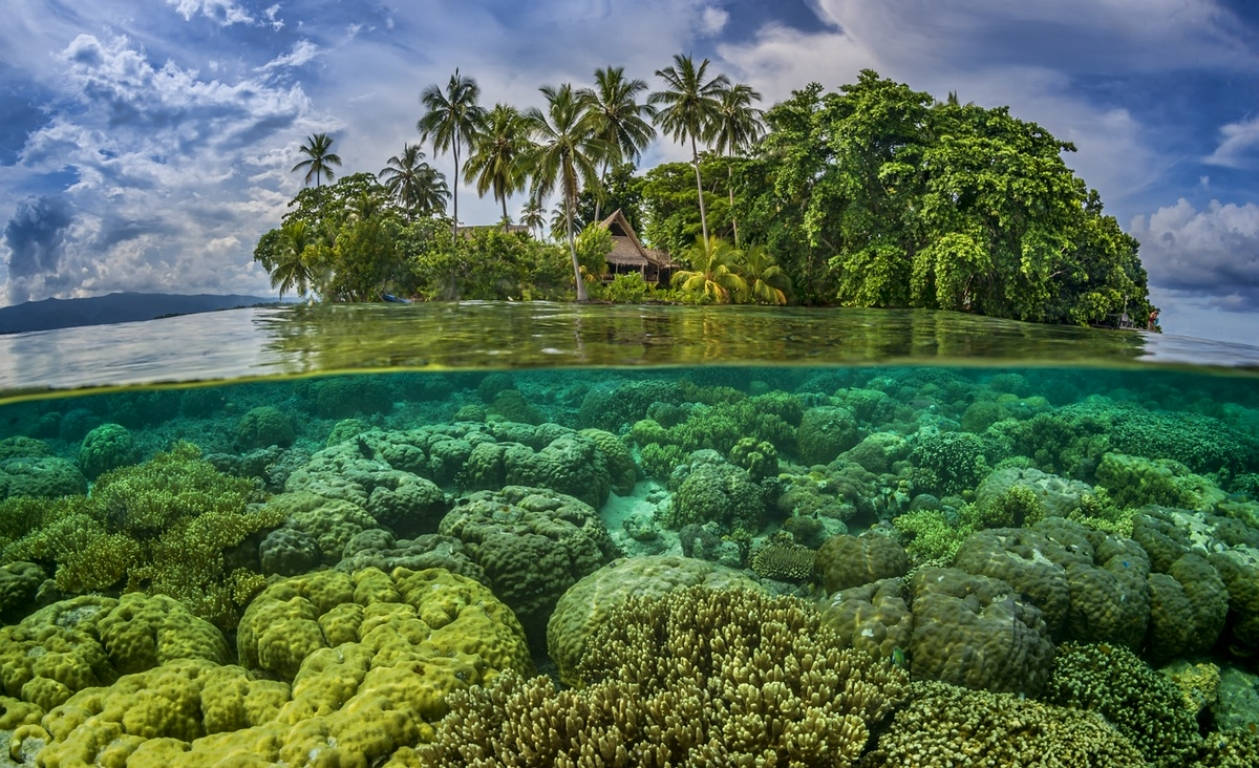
(891, 566)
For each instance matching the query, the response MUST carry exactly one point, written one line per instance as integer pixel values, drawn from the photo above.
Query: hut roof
(627, 249)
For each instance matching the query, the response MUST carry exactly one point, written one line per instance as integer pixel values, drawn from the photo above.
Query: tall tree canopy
(453, 119)
(689, 107)
(319, 158)
(418, 188)
(619, 120)
(498, 162)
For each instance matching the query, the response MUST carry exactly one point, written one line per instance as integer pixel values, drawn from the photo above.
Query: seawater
(244, 555)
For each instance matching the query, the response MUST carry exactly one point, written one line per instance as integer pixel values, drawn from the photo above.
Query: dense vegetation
(874, 195)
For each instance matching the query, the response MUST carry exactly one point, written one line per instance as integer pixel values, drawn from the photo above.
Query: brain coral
(532, 544)
(587, 603)
(873, 617)
(339, 670)
(104, 448)
(849, 561)
(975, 631)
(693, 677)
(91, 640)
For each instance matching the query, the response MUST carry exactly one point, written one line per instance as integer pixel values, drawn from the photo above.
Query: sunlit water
(288, 495)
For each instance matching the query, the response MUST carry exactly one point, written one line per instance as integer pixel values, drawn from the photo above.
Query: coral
(330, 522)
(586, 604)
(1237, 701)
(611, 408)
(873, 618)
(148, 498)
(346, 429)
(366, 661)
(1141, 703)
(19, 446)
(945, 726)
(850, 561)
(784, 560)
(981, 414)
(758, 457)
(878, 451)
(975, 631)
(659, 461)
(288, 552)
(1051, 495)
(933, 535)
(19, 581)
(106, 447)
(41, 477)
(91, 640)
(532, 544)
(264, 426)
(1229, 749)
(954, 460)
(376, 548)
(622, 470)
(510, 405)
(1199, 684)
(824, 433)
(340, 397)
(717, 492)
(1188, 607)
(691, 677)
(1239, 569)
(1135, 481)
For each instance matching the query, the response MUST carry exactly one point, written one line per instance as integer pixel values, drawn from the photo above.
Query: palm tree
(766, 280)
(497, 159)
(713, 274)
(533, 215)
(319, 159)
(417, 186)
(691, 108)
(738, 124)
(453, 120)
(618, 118)
(291, 270)
(567, 151)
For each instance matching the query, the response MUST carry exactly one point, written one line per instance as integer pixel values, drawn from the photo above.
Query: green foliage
(593, 246)
(714, 277)
(620, 189)
(629, 288)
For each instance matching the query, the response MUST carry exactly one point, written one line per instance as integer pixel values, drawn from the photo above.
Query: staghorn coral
(945, 726)
(586, 604)
(695, 676)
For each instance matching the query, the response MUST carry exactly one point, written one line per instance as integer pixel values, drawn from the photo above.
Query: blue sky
(147, 145)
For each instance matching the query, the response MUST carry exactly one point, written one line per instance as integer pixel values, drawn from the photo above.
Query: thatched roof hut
(630, 255)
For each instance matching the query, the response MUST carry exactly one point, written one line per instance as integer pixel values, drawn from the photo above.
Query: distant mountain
(114, 308)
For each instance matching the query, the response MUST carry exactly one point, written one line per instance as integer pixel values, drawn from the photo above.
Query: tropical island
(873, 195)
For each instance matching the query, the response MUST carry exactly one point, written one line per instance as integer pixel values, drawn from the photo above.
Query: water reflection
(304, 339)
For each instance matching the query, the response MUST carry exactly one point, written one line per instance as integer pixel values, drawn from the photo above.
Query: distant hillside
(114, 308)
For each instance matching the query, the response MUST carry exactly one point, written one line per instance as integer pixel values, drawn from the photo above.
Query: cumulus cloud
(713, 20)
(225, 12)
(1213, 252)
(1239, 143)
(164, 160)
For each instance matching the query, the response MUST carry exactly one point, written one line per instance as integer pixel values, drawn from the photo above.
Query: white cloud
(1213, 251)
(1238, 146)
(162, 154)
(302, 52)
(272, 13)
(225, 12)
(713, 20)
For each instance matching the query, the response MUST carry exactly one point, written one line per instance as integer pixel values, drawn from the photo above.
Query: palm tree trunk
(730, 188)
(572, 248)
(504, 199)
(699, 184)
(454, 188)
(603, 180)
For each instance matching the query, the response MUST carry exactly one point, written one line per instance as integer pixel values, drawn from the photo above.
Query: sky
(145, 146)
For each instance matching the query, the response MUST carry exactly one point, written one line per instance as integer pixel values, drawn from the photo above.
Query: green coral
(1135, 481)
(932, 535)
(945, 726)
(618, 459)
(717, 492)
(659, 460)
(954, 460)
(824, 433)
(1141, 703)
(265, 426)
(106, 447)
